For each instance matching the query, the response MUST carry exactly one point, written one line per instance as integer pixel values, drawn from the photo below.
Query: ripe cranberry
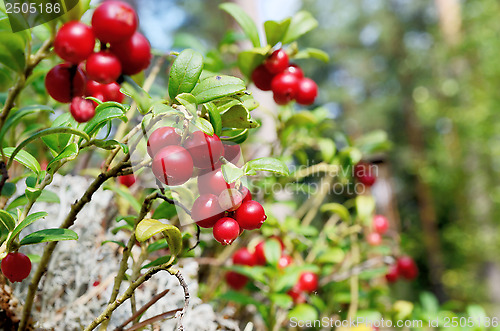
(295, 69)
(232, 152)
(297, 295)
(230, 199)
(74, 42)
(284, 261)
(277, 62)
(162, 137)
(103, 67)
(244, 257)
(112, 92)
(250, 215)
(213, 182)
(245, 193)
(393, 274)
(374, 238)
(307, 91)
(365, 173)
(16, 266)
(206, 210)
(308, 281)
(235, 280)
(173, 165)
(82, 109)
(262, 78)
(380, 224)
(64, 82)
(127, 180)
(134, 54)
(260, 255)
(114, 21)
(226, 230)
(285, 87)
(205, 150)
(407, 267)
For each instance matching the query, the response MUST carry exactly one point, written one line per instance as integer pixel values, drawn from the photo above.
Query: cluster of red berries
(123, 50)
(380, 225)
(16, 267)
(224, 207)
(286, 80)
(365, 173)
(306, 283)
(404, 267)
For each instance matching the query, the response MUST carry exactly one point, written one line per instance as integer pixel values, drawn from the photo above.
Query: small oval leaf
(185, 72)
(215, 87)
(49, 235)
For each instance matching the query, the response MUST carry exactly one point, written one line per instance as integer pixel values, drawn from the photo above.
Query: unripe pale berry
(374, 238)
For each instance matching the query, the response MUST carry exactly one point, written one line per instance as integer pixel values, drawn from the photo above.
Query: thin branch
(356, 270)
(198, 231)
(154, 319)
(173, 202)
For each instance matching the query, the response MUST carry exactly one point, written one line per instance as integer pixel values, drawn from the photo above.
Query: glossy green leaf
(231, 173)
(27, 221)
(246, 23)
(8, 189)
(157, 245)
(281, 300)
(24, 158)
(104, 113)
(185, 72)
(16, 116)
(45, 196)
(314, 53)
(7, 220)
(249, 60)
(142, 98)
(189, 101)
(303, 312)
(69, 153)
(48, 235)
(59, 141)
(275, 31)
(331, 255)
(215, 118)
(238, 117)
(159, 261)
(215, 87)
(327, 148)
(12, 50)
(301, 23)
(174, 239)
(272, 250)
(237, 136)
(165, 210)
(204, 126)
(338, 209)
(265, 164)
(119, 243)
(147, 228)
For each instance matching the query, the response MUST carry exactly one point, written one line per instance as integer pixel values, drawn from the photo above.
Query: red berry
(226, 230)
(93, 88)
(365, 173)
(172, 165)
(103, 67)
(82, 109)
(380, 224)
(16, 266)
(284, 261)
(307, 91)
(74, 42)
(236, 280)
(205, 150)
(134, 54)
(407, 267)
(250, 215)
(213, 182)
(374, 238)
(262, 78)
(260, 255)
(64, 82)
(393, 274)
(245, 193)
(277, 62)
(230, 199)
(162, 137)
(127, 180)
(244, 257)
(206, 210)
(114, 21)
(285, 87)
(232, 152)
(295, 69)
(308, 281)
(112, 92)
(297, 295)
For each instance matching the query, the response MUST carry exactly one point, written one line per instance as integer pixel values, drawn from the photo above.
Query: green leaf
(7, 220)
(272, 250)
(327, 148)
(331, 255)
(338, 209)
(105, 112)
(174, 239)
(157, 262)
(215, 118)
(315, 53)
(110, 144)
(237, 136)
(189, 101)
(246, 23)
(281, 300)
(47, 235)
(16, 116)
(301, 118)
(215, 87)
(265, 164)
(165, 211)
(185, 72)
(250, 59)
(8, 189)
(27, 221)
(148, 228)
(12, 50)
(365, 206)
(303, 312)
(204, 126)
(301, 23)
(24, 158)
(131, 89)
(119, 243)
(373, 142)
(256, 273)
(430, 304)
(45, 196)
(58, 142)
(231, 173)
(157, 245)
(238, 117)
(125, 194)
(275, 31)
(69, 153)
